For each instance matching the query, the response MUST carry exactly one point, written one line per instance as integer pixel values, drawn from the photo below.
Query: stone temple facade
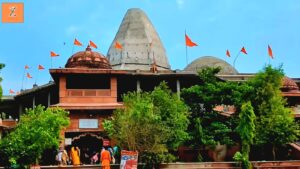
(141, 44)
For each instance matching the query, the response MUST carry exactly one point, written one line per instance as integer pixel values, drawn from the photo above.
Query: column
(49, 99)
(178, 88)
(138, 86)
(33, 102)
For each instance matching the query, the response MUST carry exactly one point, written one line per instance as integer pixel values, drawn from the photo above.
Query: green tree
(275, 123)
(150, 123)
(39, 129)
(207, 126)
(246, 130)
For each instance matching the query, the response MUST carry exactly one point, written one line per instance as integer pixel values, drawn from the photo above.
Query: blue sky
(216, 25)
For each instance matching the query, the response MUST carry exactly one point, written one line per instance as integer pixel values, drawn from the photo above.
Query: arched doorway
(89, 144)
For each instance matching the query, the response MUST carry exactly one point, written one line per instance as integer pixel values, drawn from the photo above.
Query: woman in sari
(75, 155)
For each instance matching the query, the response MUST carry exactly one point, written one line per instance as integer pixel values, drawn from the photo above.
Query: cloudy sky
(216, 25)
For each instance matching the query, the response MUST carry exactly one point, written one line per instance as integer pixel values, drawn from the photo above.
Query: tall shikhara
(136, 34)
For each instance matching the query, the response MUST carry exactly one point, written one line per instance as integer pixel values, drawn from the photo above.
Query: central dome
(210, 61)
(88, 59)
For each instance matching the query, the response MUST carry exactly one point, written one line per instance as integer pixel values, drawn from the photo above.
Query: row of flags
(117, 45)
(190, 43)
(28, 75)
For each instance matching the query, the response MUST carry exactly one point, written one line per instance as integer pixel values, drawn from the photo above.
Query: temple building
(91, 85)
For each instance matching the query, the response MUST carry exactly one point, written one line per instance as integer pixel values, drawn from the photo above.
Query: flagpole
(186, 53)
(23, 79)
(236, 58)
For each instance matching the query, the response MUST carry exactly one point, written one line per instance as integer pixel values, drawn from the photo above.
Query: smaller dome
(210, 61)
(289, 85)
(88, 59)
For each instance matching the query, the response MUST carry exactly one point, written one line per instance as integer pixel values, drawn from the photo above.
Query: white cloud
(180, 4)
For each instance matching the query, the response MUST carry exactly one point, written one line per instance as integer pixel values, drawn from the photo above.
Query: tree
(150, 123)
(39, 129)
(207, 126)
(275, 124)
(246, 130)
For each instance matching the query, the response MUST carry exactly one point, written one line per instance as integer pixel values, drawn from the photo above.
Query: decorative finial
(88, 48)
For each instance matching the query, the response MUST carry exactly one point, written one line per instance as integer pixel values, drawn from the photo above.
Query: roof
(211, 61)
(122, 72)
(88, 59)
(141, 45)
(7, 98)
(35, 89)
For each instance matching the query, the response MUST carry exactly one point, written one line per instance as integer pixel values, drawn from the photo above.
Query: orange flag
(118, 45)
(92, 44)
(26, 67)
(11, 91)
(28, 76)
(189, 42)
(77, 43)
(227, 53)
(41, 67)
(52, 54)
(244, 50)
(270, 52)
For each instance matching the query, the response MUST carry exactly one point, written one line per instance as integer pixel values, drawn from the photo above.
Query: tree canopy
(203, 98)
(39, 129)
(246, 130)
(150, 122)
(275, 123)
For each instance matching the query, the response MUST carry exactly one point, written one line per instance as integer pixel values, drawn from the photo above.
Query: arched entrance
(89, 144)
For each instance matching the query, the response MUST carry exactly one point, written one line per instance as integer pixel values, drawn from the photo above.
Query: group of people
(107, 156)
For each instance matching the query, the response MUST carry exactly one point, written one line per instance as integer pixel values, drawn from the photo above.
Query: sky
(215, 25)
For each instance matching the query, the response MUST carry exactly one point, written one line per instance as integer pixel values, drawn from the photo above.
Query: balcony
(88, 92)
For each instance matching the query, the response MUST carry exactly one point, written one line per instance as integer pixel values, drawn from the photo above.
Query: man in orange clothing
(105, 159)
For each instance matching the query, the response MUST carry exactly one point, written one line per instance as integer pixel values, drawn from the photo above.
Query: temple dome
(88, 59)
(289, 85)
(210, 61)
(141, 45)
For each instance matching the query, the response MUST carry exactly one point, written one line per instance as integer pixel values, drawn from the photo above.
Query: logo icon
(12, 12)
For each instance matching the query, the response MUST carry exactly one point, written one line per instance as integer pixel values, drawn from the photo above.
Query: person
(75, 155)
(94, 159)
(59, 156)
(105, 159)
(117, 154)
(64, 158)
(111, 151)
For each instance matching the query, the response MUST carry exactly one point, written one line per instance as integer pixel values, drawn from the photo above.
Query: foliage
(38, 129)
(150, 123)
(246, 164)
(275, 123)
(246, 130)
(203, 98)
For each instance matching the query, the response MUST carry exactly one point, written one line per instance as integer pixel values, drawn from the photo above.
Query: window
(88, 82)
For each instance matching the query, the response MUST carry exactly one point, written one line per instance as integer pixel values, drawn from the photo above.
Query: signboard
(68, 141)
(129, 159)
(88, 123)
(106, 143)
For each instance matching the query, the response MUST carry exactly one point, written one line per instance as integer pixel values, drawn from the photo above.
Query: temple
(91, 85)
